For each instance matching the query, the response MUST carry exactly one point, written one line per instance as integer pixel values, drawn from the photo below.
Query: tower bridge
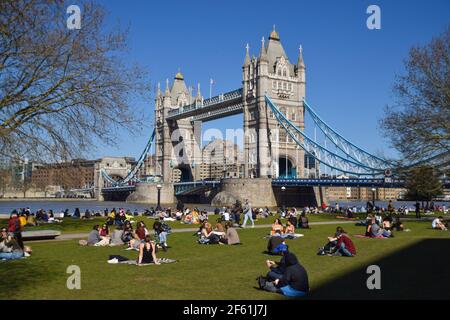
(273, 102)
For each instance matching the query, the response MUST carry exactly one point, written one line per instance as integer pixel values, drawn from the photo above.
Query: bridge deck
(223, 105)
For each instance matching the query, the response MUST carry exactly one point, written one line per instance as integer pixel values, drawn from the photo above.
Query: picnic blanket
(160, 260)
(364, 236)
(123, 260)
(290, 236)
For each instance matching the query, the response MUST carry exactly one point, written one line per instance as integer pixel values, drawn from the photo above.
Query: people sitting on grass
(93, 237)
(276, 269)
(10, 248)
(376, 231)
(103, 234)
(292, 283)
(161, 230)
(231, 236)
(188, 218)
(128, 232)
(116, 237)
(147, 252)
(344, 246)
(277, 226)
(274, 242)
(397, 224)
(438, 224)
(303, 222)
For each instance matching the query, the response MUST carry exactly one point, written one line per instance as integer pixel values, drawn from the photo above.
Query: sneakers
(261, 282)
(113, 261)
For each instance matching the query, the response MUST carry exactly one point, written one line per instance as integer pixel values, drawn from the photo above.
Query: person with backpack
(15, 228)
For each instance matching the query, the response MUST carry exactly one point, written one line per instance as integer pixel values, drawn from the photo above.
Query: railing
(225, 97)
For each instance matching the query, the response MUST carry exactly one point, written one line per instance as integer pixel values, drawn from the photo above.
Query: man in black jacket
(293, 283)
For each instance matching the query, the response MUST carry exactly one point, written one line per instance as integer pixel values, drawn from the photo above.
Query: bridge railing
(224, 97)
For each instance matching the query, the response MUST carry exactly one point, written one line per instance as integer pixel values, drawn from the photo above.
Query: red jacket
(14, 225)
(348, 243)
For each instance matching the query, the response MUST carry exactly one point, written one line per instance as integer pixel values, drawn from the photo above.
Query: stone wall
(148, 193)
(257, 190)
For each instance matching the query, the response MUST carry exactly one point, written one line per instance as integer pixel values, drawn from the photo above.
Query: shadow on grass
(419, 271)
(21, 274)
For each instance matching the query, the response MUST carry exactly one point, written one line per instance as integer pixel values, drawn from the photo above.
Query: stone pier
(148, 193)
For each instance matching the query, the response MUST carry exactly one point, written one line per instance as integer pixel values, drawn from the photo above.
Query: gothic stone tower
(267, 146)
(177, 147)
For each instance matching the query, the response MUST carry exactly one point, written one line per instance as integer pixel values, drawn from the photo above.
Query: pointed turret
(199, 95)
(158, 90)
(300, 63)
(247, 56)
(263, 53)
(167, 92)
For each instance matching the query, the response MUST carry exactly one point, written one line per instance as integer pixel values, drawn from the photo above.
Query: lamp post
(373, 197)
(158, 206)
(283, 190)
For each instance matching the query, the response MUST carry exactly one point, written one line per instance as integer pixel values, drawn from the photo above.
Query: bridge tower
(268, 150)
(177, 142)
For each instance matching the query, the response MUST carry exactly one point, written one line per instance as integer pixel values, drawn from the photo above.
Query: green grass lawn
(229, 272)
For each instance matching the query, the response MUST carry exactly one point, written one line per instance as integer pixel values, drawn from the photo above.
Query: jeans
(247, 216)
(163, 237)
(344, 251)
(274, 274)
(10, 255)
(288, 291)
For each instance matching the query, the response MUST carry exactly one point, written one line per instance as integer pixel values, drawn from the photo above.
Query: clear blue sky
(350, 69)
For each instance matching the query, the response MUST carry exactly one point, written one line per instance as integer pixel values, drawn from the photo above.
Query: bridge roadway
(220, 106)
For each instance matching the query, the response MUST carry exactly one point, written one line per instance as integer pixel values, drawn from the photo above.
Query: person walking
(417, 205)
(248, 214)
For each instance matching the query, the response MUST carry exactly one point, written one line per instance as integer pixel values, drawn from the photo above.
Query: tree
(418, 125)
(62, 91)
(423, 183)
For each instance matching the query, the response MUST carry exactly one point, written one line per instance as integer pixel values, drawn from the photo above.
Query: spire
(247, 55)
(263, 53)
(199, 95)
(300, 63)
(158, 90)
(274, 35)
(167, 93)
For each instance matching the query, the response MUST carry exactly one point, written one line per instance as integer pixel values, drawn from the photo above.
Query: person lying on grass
(376, 231)
(292, 283)
(438, 224)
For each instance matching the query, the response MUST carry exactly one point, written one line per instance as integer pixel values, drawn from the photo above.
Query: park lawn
(224, 272)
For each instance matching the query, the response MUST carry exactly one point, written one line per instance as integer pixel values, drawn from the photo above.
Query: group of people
(222, 233)
(11, 243)
(124, 234)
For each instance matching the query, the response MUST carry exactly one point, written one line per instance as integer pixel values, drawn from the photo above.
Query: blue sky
(350, 69)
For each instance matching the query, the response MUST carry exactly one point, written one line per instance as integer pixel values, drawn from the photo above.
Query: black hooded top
(294, 275)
